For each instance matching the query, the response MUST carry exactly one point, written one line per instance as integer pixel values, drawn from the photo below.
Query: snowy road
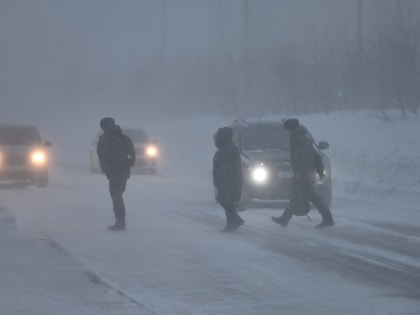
(173, 260)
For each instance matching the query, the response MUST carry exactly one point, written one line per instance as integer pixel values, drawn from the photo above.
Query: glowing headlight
(151, 151)
(38, 158)
(259, 174)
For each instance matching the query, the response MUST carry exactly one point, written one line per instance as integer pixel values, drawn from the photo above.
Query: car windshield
(22, 136)
(136, 135)
(271, 137)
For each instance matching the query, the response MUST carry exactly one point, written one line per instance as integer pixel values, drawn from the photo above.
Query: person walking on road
(116, 156)
(227, 177)
(305, 164)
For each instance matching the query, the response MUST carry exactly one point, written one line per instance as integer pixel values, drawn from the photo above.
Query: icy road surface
(173, 260)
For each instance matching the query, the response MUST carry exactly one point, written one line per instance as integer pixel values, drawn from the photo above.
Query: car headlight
(38, 158)
(151, 151)
(259, 174)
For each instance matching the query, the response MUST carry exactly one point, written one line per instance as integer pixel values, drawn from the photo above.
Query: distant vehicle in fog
(264, 148)
(23, 154)
(146, 152)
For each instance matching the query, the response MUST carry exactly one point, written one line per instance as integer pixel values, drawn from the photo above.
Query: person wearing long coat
(304, 168)
(227, 177)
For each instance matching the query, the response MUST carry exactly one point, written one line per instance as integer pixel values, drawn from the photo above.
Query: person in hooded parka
(227, 177)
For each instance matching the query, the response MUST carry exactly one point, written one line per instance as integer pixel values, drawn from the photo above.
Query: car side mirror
(47, 144)
(322, 145)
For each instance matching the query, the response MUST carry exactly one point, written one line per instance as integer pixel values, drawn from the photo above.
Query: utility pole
(163, 31)
(162, 59)
(247, 88)
(360, 60)
(360, 26)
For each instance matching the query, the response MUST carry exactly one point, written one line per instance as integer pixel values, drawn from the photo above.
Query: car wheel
(42, 180)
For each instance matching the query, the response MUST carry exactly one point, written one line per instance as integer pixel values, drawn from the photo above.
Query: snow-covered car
(146, 152)
(264, 148)
(23, 154)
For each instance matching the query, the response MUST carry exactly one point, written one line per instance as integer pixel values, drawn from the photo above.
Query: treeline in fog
(373, 65)
(236, 57)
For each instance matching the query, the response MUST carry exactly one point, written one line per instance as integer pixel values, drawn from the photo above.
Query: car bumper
(144, 164)
(276, 190)
(21, 173)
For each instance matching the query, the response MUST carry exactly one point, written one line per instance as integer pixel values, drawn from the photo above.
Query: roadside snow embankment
(371, 157)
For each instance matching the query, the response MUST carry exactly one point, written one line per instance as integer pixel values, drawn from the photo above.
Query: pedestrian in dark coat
(116, 155)
(304, 168)
(227, 177)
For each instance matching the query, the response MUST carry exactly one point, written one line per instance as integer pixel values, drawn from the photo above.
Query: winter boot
(237, 223)
(116, 227)
(325, 223)
(281, 220)
(327, 220)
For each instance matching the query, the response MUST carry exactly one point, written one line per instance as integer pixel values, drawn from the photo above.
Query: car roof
(129, 132)
(257, 123)
(19, 134)
(124, 130)
(260, 123)
(17, 126)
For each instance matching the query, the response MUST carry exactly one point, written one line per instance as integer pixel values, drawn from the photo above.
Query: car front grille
(281, 166)
(140, 151)
(16, 160)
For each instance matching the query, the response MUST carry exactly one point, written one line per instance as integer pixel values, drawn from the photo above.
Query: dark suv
(23, 155)
(264, 148)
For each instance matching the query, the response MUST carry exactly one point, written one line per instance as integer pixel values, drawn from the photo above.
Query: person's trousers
(313, 198)
(231, 214)
(324, 211)
(116, 190)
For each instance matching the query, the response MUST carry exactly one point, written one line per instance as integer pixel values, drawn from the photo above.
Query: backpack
(120, 151)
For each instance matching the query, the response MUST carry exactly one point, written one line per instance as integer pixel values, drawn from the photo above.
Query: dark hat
(291, 124)
(223, 136)
(107, 122)
(225, 133)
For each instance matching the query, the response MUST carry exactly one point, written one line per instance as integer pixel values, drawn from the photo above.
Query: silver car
(147, 152)
(23, 154)
(264, 148)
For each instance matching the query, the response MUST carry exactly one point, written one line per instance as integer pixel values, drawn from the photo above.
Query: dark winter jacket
(116, 153)
(302, 154)
(227, 170)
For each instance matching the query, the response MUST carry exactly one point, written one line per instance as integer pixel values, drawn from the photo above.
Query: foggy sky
(53, 51)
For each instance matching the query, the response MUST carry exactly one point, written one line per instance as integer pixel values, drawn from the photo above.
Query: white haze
(173, 260)
(96, 56)
(66, 64)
